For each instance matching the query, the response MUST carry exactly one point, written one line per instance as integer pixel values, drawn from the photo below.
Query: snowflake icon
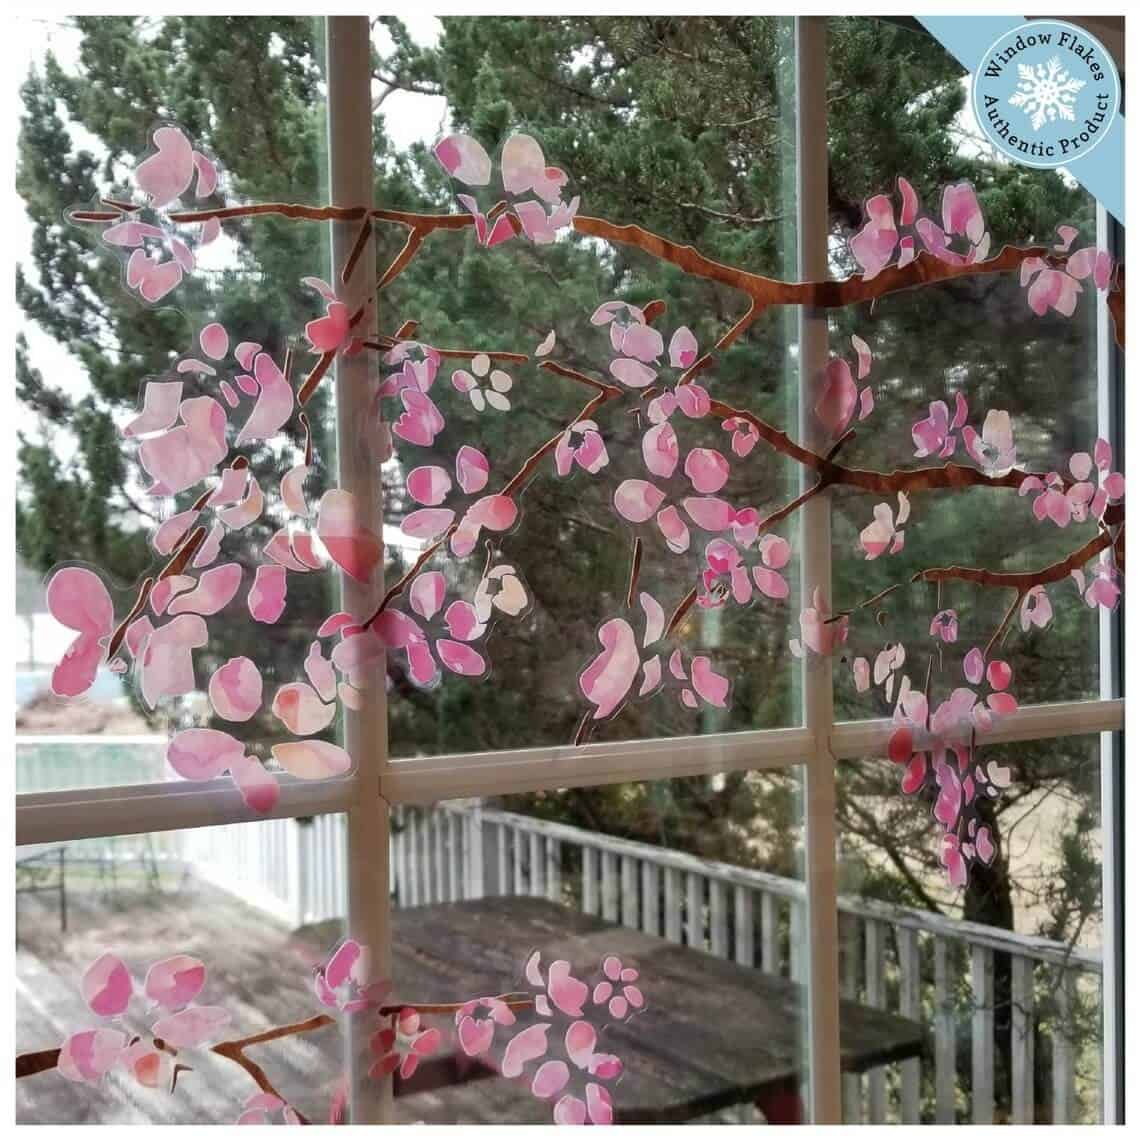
(1046, 92)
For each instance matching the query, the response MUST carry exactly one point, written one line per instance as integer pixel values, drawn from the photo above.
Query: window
(764, 835)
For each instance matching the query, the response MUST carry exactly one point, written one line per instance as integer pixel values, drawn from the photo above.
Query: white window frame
(817, 745)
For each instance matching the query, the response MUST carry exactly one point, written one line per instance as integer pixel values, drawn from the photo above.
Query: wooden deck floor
(258, 971)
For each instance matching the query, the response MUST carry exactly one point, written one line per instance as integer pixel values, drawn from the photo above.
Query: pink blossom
(944, 624)
(886, 532)
(402, 1046)
(819, 632)
(1036, 609)
(582, 444)
(994, 449)
(935, 434)
(344, 982)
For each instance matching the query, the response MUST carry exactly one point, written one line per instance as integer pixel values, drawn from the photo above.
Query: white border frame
(817, 745)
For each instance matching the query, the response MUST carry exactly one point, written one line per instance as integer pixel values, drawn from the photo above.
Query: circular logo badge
(1046, 93)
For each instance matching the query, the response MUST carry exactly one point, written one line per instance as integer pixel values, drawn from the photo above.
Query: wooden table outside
(714, 1034)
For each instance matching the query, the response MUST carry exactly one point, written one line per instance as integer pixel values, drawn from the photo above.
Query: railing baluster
(650, 898)
(537, 865)
(629, 899)
(455, 884)
(742, 932)
(553, 869)
(982, 1048)
(440, 867)
(945, 1054)
(769, 955)
(1063, 1051)
(910, 1005)
(875, 946)
(590, 880)
(718, 919)
(413, 833)
(694, 911)
(501, 859)
(1021, 1041)
(852, 1082)
(672, 904)
(609, 887)
(517, 853)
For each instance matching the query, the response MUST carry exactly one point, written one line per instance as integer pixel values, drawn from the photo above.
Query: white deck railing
(937, 970)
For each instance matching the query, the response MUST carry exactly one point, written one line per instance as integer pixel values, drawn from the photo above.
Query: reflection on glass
(1005, 976)
(258, 904)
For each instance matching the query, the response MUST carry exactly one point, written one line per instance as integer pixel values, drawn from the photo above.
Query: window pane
(976, 337)
(647, 135)
(1006, 975)
(694, 884)
(89, 345)
(259, 905)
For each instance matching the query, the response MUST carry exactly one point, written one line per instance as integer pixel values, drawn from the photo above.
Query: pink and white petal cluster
(401, 1047)
(935, 434)
(820, 632)
(1058, 288)
(885, 534)
(582, 445)
(345, 981)
(840, 396)
(169, 989)
(993, 450)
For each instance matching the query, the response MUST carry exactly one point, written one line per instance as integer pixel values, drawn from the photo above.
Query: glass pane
(86, 494)
(694, 885)
(609, 111)
(1005, 975)
(974, 336)
(260, 905)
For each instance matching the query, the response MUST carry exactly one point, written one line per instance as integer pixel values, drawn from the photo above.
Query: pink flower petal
(770, 583)
(183, 456)
(192, 1027)
(299, 707)
(161, 401)
(460, 658)
(215, 590)
(709, 513)
(464, 159)
(566, 991)
(351, 545)
(525, 1046)
(312, 759)
(581, 1038)
(632, 373)
(235, 689)
(606, 681)
(274, 402)
(550, 1079)
(660, 450)
(471, 469)
(266, 597)
(706, 469)
(636, 500)
(92, 1053)
(107, 986)
(837, 401)
(999, 674)
(599, 1104)
(710, 686)
(215, 341)
(673, 529)
(570, 1110)
(78, 599)
(973, 666)
(427, 592)
(175, 981)
(202, 753)
(167, 663)
(682, 348)
(428, 485)
(167, 174)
